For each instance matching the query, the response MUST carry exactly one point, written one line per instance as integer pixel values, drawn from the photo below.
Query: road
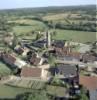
(69, 62)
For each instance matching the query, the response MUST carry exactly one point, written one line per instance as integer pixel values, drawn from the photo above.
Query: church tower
(48, 38)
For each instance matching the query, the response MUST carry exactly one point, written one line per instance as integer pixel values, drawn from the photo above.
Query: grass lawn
(31, 25)
(56, 90)
(22, 30)
(27, 29)
(78, 36)
(28, 36)
(4, 70)
(27, 21)
(30, 84)
(11, 92)
(2, 47)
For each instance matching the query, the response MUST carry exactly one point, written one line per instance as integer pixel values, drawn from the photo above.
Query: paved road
(69, 62)
(6, 80)
(81, 64)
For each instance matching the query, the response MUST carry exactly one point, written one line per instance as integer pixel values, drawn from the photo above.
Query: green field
(4, 70)
(35, 25)
(22, 30)
(78, 36)
(28, 27)
(32, 84)
(16, 87)
(56, 90)
(28, 21)
(11, 92)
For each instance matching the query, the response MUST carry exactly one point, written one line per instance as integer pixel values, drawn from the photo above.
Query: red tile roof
(74, 54)
(9, 58)
(35, 61)
(68, 53)
(90, 82)
(31, 72)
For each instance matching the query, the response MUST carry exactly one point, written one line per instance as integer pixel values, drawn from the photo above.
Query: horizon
(15, 4)
(47, 7)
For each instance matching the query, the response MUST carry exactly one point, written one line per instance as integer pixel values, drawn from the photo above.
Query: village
(64, 67)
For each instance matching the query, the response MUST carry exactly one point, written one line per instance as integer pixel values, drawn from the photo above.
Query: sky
(7, 4)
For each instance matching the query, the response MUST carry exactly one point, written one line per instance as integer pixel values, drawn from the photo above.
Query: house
(9, 59)
(62, 51)
(88, 58)
(37, 73)
(66, 72)
(18, 49)
(36, 61)
(8, 40)
(73, 56)
(90, 83)
(12, 60)
(58, 44)
(40, 43)
(82, 66)
(31, 72)
(20, 63)
(21, 50)
(66, 53)
(61, 47)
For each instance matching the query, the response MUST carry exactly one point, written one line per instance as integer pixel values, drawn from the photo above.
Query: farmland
(31, 84)
(79, 36)
(55, 17)
(11, 92)
(27, 26)
(75, 24)
(16, 87)
(32, 25)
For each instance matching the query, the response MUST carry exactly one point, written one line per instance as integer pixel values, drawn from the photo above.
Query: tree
(82, 95)
(51, 60)
(36, 95)
(4, 25)
(15, 40)
(57, 82)
(33, 32)
(38, 36)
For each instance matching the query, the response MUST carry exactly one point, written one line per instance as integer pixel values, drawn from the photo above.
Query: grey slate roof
(59, 43)
(66, 69)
